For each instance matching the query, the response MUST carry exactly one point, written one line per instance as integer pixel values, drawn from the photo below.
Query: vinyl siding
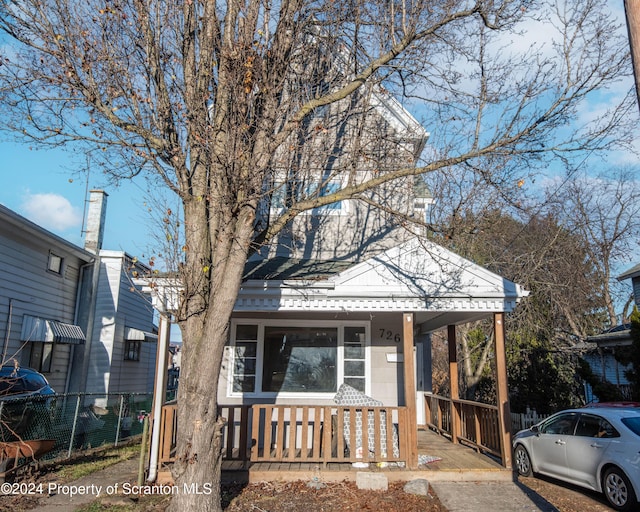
(118, 307)
(28, 288)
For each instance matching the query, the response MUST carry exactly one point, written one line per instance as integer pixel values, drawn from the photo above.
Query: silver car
(596, 448)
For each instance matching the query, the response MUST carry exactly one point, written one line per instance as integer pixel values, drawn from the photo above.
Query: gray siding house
(70, 312)
(601, 352)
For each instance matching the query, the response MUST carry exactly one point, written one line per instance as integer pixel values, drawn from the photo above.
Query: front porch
(458, 463)
(316, 445)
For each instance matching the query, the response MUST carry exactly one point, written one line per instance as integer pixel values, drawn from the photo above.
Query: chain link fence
(75, 421)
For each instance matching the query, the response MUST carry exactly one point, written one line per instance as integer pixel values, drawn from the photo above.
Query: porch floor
(458, 463)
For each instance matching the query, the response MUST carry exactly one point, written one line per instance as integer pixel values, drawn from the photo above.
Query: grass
(79, 468)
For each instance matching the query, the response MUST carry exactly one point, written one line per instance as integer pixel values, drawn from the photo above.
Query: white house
(70, 312)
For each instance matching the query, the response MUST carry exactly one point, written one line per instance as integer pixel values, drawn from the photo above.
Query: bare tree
(201, 97)
(604, 211)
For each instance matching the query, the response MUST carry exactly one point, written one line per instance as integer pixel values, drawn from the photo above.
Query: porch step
(273, 472)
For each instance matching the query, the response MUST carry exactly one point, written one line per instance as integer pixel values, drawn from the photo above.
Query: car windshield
(633, 424)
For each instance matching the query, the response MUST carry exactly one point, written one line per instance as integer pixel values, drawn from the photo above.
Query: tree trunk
(205, 327)
(199, 449)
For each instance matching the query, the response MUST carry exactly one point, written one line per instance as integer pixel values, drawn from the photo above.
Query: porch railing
(479, 424)
(290, 433)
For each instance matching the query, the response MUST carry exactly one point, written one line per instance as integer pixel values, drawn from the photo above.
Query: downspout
(159, 391)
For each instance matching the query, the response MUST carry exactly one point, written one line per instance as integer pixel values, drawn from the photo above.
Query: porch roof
(419, 276)
(441, 287)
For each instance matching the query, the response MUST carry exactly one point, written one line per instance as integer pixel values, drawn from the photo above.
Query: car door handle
(595, 445)
(560, 441)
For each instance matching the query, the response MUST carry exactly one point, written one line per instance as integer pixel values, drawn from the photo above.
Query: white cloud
(51, 211)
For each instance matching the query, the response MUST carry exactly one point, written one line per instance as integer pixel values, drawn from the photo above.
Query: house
(348, 294)
(600, 354)
(634, 274)
(69, 311)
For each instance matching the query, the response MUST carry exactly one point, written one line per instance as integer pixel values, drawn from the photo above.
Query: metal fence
(74, 421)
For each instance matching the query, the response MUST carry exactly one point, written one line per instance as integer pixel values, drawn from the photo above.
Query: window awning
(131, 334)
(50, 331)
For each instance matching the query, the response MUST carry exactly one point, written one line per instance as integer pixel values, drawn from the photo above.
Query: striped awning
(131, 334)
(50, 331)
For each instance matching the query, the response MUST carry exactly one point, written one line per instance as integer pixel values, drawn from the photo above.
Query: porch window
(292, 357)
(300, 360)
(354, 358)
(244, 364)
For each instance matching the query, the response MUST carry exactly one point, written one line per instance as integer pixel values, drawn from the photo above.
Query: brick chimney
(95, 221)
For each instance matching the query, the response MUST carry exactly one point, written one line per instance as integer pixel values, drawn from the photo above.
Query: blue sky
(41, 185)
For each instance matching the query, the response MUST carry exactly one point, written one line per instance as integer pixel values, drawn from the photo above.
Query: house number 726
(390, 335)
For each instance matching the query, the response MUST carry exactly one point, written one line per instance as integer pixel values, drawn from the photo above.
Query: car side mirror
(535, 429)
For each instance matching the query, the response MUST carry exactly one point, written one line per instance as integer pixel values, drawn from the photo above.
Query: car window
(590, 425)
(563, 424)
(633, 424)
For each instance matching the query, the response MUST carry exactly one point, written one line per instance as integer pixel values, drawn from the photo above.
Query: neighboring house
(600, 353)
(70, 312)
(633, 274)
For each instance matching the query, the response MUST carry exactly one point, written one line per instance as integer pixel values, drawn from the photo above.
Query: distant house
(634, 274)
(602, 347)
(70, 312)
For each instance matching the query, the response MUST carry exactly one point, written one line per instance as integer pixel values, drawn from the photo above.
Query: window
(289, 357)
(244, 364)
(300, 360)
(355, 357)
(41, 356)
(132, 350)
(563, 424)
(55, 263)
(301, 191)
(595, 426)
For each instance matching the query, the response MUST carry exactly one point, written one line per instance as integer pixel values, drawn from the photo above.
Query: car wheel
(523, 461)
(618, 490)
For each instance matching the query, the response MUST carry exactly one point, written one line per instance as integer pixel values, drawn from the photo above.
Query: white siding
(28, 288)
(118, 307)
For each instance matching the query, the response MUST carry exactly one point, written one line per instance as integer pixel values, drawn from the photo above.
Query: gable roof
(632, 272)
(420, 276)
(12, 221)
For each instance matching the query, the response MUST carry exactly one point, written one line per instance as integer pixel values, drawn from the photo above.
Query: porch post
(504, 411)
(410, 390)
(452, 343)
(159, 392)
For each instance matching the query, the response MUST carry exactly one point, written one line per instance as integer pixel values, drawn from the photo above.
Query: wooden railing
(479, 424)
(438, 413)
(289, 433)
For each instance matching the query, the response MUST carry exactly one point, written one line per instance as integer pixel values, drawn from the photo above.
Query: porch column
(410, 390)
(504, 411)
(159, 392)
(452, 343)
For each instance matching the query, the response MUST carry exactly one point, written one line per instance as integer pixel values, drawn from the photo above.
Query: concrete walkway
(489, 497)
(108, 482)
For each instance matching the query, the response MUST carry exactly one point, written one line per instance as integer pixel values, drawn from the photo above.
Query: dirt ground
(297, 497)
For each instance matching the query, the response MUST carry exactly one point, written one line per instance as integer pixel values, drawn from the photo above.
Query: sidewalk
(107, 482)
(489, 496)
